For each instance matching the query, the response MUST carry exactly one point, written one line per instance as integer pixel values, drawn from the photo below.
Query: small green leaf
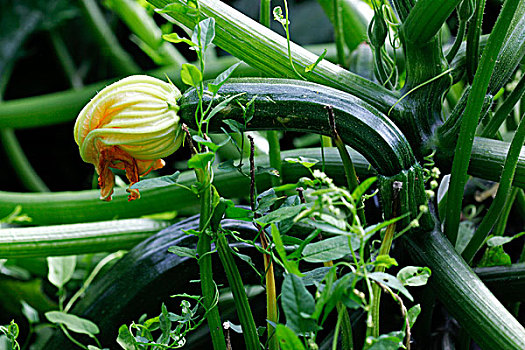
(222, 78)
(328, 249)
(363, 187)
(200, 160)
(287, 338)
(500, 240)
(221, 106)
(190, 75)
(280, 214)
(30, 313)
(412, 314)
(390, 281)
(495, 256)
(290, 266)
(179, 8)
(125, 339)
(385, 261)
(315, 276)
(207, 32)
(239, 213)
(312, 66)
(156, 182)
(414, 276)
(61, 269)
(73, 322)
(297, 302)
(174, 38)
(389, 341)
(234, 125)
(265, 200)
(183, 251)
(304, 161)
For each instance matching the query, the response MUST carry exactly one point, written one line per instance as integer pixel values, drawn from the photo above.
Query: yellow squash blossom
(129, 125)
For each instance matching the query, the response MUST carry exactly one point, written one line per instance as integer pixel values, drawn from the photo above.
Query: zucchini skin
(145, 278)
(284, 104)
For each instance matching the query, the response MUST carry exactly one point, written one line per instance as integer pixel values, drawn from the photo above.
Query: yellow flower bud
(129, 125)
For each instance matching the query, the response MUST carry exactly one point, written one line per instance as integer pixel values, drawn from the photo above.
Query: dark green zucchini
(146, 277)
(299, 106)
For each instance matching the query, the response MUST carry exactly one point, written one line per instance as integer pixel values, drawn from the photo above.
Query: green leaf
(500, 240)
(165, 325)
(389, 341)
(465, 233)
(175, 38)
(280, 214)
(73, 322)
(222, 78)
(200, 160)
(363, 187)
(312, 66)
(414, 276)
(288, 340)
(304, 161)
(495, 256)
(238, 213)
(385, 261)
(290, 266)
(125, 339)
(30, 313)
(390, 281)
(156, 182)
(265, 200)
(222, 105)
(61, 269)
(234, 125)
(412, 314)
(183, 251)
(179, 8)
(297, 302)
(190, 75)
(207, 33)
(315, 276)
(328, 249)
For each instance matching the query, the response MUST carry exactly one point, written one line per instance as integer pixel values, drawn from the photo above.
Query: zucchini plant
(414, 104)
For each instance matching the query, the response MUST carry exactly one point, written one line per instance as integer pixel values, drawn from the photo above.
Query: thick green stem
(376, 289)
(210, 292)
(240, 298)
(473, 36)
(338, 30)
(457, 42)
(471, 116)
(426, 19)
(121, 61)
(504, 189)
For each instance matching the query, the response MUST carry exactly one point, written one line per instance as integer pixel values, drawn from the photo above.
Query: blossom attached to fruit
(129, 125)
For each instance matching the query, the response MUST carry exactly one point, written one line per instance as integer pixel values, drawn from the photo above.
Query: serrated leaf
(183, 251)
(296, 302)
(495, 256)
(390, 281)
(61, 269)
(326, 250)
(222, 78)
(73, 322)
(190, 75)
(156, 182)
(200, 160)
(414, 276)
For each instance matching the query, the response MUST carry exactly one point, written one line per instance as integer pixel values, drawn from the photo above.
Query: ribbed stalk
(240, 299)
(470, 119)
(104, 236)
